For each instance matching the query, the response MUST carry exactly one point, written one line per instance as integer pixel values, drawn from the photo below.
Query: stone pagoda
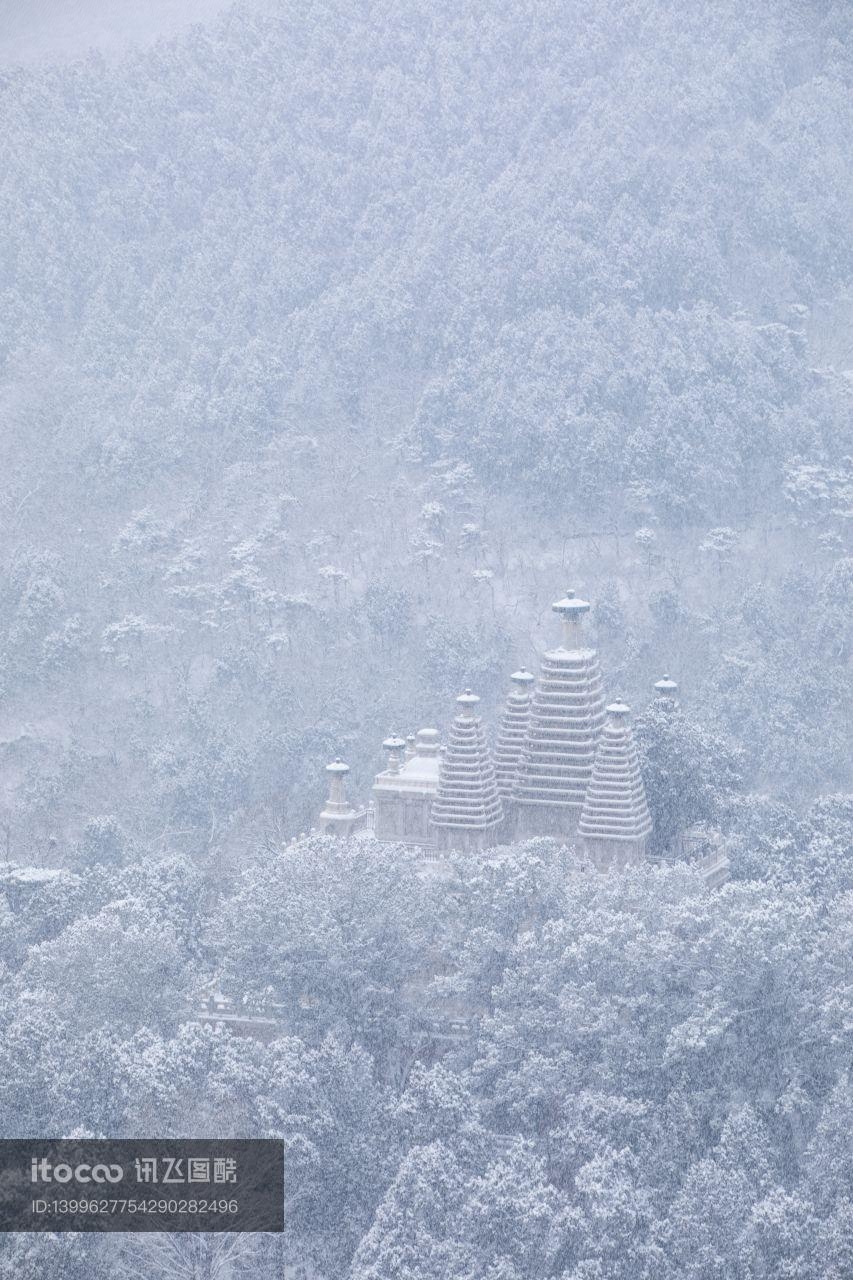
(338, 817)
(565, 721)
(615, 823)
(512, 731)
(466, 811)
(560, 768)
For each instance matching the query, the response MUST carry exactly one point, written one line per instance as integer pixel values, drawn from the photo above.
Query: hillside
(308, 318)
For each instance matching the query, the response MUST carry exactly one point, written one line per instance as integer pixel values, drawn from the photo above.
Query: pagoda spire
(565, 719)
(513, 730)
(337, 816)
(666, 690)
(572, 610)
(394, 745)
(467, 808)
(615, 823)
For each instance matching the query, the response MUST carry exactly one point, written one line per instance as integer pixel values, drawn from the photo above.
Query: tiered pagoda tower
(512, 731)
(565, 721)
(466, 811)
(615, 823)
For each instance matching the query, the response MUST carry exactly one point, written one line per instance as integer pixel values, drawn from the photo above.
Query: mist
(425, 626)
(62, 30)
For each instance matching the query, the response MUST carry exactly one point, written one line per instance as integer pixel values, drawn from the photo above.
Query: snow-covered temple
(466, 808)
(615, 823)
(563, 765)
(403, 793)
(565, 720)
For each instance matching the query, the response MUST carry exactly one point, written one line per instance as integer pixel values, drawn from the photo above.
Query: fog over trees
(60, 30)
(336, 342)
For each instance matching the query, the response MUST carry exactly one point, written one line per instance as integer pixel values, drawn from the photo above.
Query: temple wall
(560, 822)
(402, 817)
(614, 855)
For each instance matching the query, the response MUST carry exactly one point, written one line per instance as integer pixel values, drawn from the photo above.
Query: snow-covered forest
(337, 340)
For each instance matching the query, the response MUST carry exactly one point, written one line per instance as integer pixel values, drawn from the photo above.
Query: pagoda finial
(426, 742)
(394, 745)
(336, 772)
(466, 702)
(337, 817)
(572, 611)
